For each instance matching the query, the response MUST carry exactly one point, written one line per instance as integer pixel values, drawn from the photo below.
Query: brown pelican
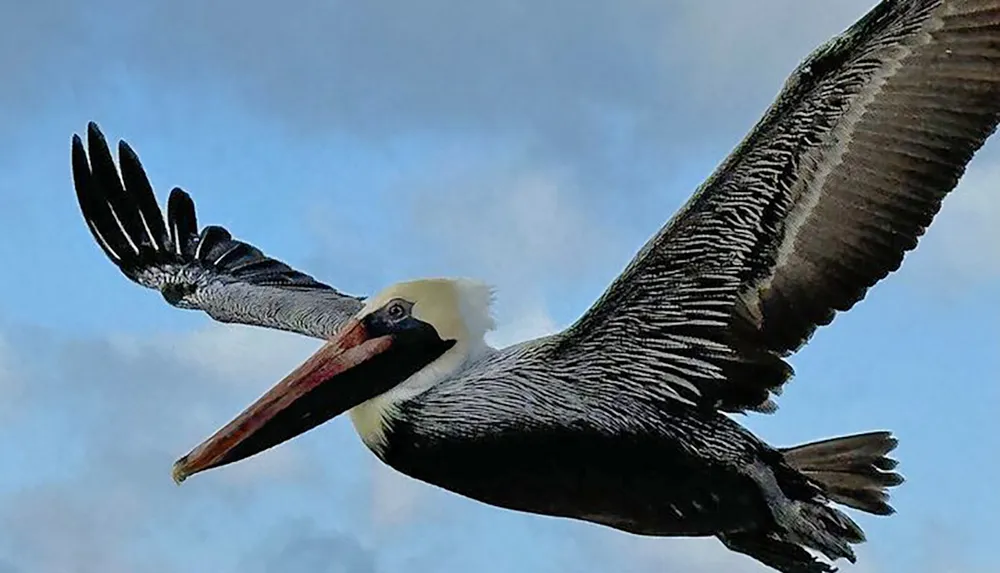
(621, 418)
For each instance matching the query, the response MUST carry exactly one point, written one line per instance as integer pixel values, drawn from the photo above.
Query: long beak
(312, 394)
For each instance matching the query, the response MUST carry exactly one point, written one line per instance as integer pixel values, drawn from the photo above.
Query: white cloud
(524, 323)
(384, 67)
(286, 463)
(229, 353)
(58, 531)
(396, 499)
(129, 406)
(509, 221)
(302, 546)
(529, 231)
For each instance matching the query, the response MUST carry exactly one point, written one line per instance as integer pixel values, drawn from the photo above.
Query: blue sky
(532, 145)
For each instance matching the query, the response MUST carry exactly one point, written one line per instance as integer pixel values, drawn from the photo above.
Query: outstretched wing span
(820, 201)
(209, 270)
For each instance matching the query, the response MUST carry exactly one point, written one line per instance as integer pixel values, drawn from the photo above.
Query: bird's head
(405, 339)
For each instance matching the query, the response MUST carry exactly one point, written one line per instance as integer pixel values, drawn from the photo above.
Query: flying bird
(622, 418)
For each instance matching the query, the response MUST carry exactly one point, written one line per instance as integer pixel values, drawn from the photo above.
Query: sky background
(535, 145)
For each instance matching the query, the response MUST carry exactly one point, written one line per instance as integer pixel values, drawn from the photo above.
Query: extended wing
(230, 280)
(820, 201)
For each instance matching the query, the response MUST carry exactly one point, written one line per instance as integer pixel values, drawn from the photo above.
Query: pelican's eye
(397, 311)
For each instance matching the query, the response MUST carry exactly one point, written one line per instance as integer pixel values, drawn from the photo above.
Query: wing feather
(821, 201)
(209, 270)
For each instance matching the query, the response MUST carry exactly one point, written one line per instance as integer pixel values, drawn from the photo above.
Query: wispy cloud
(524, 229)
(108, 419)
(509, 222)
(224, 353)
(303, 546)
(594, 83)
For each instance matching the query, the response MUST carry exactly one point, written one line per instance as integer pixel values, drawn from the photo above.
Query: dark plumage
(620, 419)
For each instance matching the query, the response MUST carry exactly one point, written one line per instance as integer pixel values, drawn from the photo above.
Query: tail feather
(775, 552)
(853, 471)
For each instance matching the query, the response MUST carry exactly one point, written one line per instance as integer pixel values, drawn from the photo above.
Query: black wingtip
(140, 190)
(182, 219)
(78, 157)
(124, 149)
(95, 135)
(182, 196)
(80, 169)
(95, 211)
(99, 151)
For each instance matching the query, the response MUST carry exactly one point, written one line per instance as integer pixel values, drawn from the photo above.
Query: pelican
(624, 418)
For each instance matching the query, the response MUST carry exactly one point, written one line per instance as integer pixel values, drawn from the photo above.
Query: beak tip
(179, 473)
